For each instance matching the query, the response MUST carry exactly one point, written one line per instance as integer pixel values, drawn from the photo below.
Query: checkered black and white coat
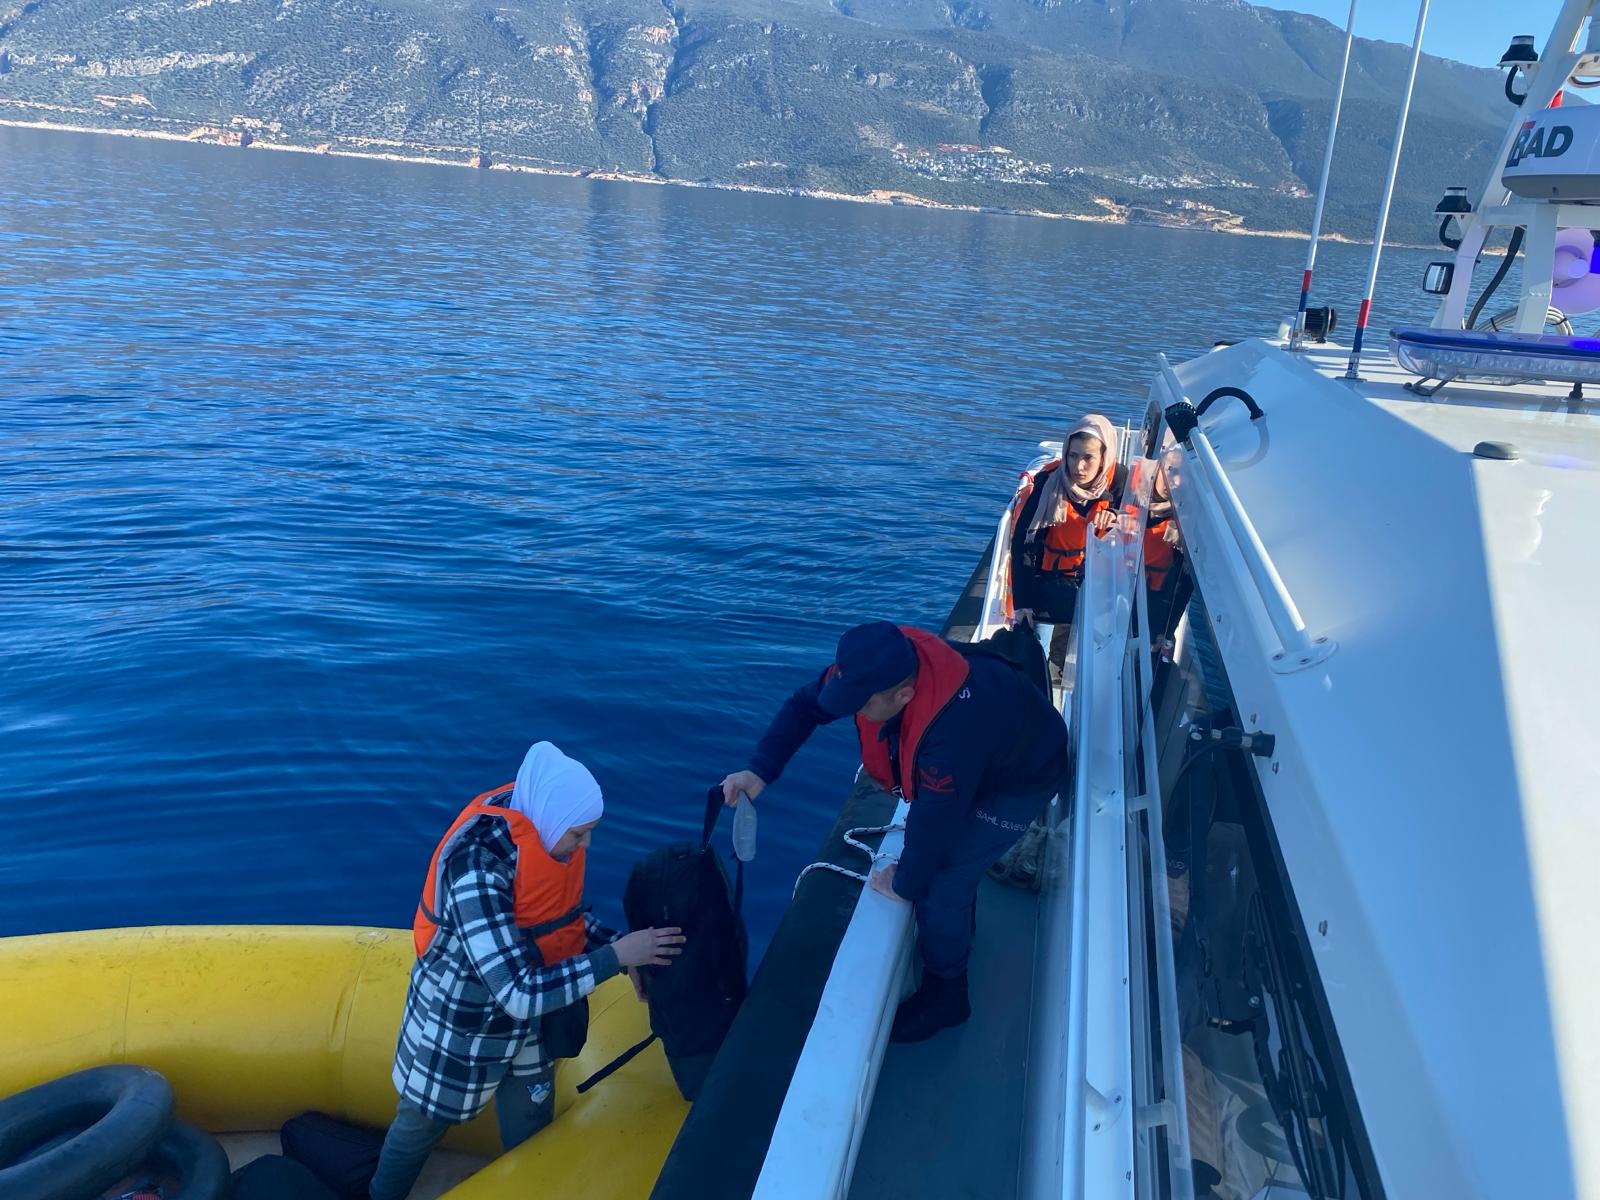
(477, 995)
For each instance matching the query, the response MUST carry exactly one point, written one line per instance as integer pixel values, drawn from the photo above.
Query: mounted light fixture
(1454, 204)
(1520, 55)
(1320, 323)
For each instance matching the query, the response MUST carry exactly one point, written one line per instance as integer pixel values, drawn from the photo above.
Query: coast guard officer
(976, 749)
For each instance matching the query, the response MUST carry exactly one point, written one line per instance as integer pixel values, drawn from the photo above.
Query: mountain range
(1202, 112)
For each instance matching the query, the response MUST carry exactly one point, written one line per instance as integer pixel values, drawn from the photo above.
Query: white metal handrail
(1096, 1147)
(1149, 854)
(1077, 1047)
(993, 615)
(818, 1132)
(1297, 648)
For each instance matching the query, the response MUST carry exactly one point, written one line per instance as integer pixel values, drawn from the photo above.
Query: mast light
(1453, 207)
(1520, 53)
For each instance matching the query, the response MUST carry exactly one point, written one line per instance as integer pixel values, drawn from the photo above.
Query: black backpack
(1020, 647)
(693, 1001)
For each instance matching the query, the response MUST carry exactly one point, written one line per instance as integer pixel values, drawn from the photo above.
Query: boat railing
(1297, 649)
(819, 1129)
(1108, 1116)
(1159, 1087)
(1079, 1140)
(994, 592)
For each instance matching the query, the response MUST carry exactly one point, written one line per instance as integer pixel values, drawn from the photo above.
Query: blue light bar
(1490, 357)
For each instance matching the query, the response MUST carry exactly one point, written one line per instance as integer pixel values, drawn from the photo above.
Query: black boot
(937, 1004)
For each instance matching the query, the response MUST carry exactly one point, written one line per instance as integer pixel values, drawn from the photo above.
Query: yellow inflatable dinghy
(253, 1024)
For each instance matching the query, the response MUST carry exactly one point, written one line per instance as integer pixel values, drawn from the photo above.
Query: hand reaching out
(649, 947)
(748, 782)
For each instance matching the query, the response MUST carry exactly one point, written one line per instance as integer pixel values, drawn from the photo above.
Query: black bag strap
(714, 807)
(555, 923)
(616, 1064)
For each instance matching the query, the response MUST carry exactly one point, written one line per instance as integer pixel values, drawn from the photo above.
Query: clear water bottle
(744, 828)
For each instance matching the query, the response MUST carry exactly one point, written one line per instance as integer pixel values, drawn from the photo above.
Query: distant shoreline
(457, 156)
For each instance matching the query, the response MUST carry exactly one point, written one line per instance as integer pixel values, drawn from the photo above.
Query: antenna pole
(1351, 371)
(1322, 190)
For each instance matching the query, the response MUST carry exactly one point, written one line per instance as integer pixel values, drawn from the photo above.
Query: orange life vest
(1159, 554)
(1062, 551)
(1059, 548)
(548, 894)
(941, 672)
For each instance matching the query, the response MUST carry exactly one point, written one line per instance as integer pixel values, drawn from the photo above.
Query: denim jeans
(523, 1105)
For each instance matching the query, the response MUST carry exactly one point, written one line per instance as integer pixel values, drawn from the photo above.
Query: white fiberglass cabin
(1318, 918)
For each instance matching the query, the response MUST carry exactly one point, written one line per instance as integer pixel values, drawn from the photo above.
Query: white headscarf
(555, 793)
(1059, 489)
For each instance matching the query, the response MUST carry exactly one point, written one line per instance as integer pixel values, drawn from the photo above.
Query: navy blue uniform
(986, 766)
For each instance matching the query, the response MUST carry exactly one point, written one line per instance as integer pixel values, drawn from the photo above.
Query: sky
(1471, 31)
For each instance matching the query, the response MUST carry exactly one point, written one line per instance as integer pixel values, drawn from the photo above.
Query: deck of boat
(963, 1087)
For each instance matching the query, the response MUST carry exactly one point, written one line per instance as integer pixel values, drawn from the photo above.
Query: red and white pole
(1322, 189)
(1351, 371)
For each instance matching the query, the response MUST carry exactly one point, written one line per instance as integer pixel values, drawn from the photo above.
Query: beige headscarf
(1059, 490)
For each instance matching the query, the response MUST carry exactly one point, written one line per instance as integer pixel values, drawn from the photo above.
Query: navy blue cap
(871, 658)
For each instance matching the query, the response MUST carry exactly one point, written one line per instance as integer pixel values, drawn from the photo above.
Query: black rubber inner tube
(194, 1156)
(122, 1112)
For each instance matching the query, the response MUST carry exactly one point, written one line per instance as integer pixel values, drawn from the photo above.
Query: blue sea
(327, 486)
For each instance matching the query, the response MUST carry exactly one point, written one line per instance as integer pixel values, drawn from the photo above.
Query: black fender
(121, 1111)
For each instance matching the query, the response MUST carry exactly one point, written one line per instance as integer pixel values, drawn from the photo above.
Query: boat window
(1271, 1112)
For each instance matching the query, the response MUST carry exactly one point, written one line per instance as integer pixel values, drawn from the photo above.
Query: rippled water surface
(326, 486)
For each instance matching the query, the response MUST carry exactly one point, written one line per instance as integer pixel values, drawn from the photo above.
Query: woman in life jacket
(1167, 584)
(506, 954)
(1056, 510)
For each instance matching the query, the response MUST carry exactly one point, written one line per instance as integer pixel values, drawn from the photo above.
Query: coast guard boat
(1317, 918)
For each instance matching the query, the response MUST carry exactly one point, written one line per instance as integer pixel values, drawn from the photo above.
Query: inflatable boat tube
(122, 1113)
(253, 1024)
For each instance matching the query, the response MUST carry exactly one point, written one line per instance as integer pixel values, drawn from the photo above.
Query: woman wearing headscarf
(1055, 510)
(506, 954)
